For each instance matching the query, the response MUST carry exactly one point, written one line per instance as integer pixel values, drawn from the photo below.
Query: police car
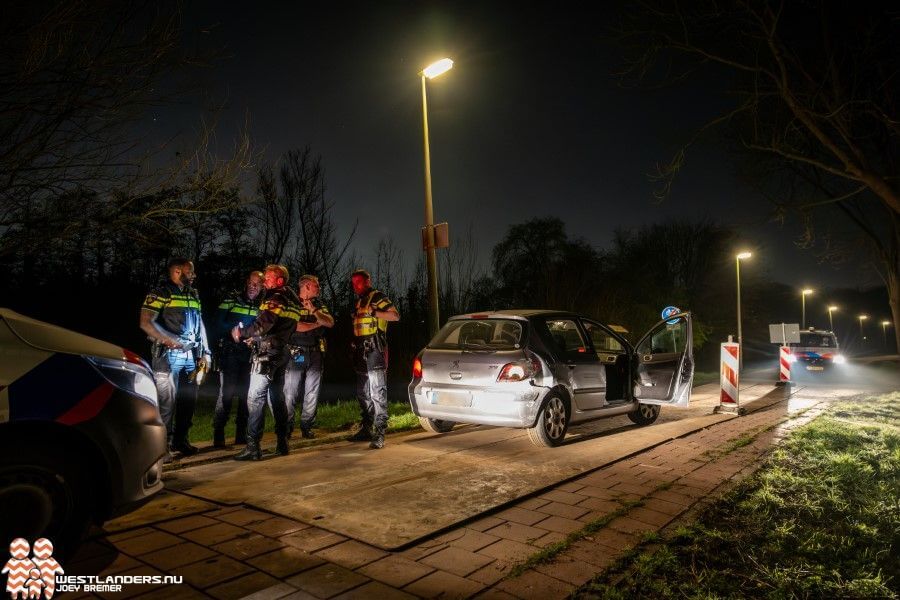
(81, 439)
(817, 352)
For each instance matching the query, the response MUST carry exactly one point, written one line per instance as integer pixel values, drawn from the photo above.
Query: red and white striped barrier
(784, 360)
(728, 398)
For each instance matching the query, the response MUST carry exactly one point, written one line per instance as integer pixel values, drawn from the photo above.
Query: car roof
(521, 313)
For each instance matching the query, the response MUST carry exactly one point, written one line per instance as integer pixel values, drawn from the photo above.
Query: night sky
(530, 122)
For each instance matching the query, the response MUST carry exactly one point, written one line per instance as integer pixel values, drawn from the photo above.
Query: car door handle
(455, 375)
(571, 365)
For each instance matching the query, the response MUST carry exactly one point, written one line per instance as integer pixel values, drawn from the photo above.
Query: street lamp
(831, 309)
(737, 265)
(803, 303)
(430, 72)
(884, 326)
(861, 333)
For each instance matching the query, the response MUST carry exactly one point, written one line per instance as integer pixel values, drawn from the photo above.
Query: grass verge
(821, 519)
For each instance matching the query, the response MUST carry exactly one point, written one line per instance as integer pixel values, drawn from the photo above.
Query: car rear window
(496, 334)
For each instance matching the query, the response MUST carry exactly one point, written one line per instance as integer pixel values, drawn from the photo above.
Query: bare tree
(813, 89)
(76, 81)
(460, 270)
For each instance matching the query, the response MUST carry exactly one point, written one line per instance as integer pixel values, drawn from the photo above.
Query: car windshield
(817, 340)
(474, 334)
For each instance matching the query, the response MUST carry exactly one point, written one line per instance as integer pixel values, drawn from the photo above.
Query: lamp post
(884, 326)
(803, 295)
(430, 72)
(831, 309)
(737, 266)
(861, 332)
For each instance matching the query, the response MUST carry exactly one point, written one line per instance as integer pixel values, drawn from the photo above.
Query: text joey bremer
(111, 583)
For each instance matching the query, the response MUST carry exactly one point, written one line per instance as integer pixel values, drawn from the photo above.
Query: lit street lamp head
(807, 291)
(832, 308)
(744, 255)
(438, 68)
(863, 317)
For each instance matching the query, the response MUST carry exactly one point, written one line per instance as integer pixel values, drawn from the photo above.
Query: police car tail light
(133, 378)
(839, 359)
(417, 368)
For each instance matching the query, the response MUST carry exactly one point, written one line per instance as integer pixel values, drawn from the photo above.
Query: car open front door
(665, 363)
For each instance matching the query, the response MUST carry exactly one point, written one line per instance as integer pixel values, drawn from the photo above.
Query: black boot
(240, 438)
(281, 446)
(219, 438)
(307, 433)
(186, 448)
(377, 438)
(364, 434)
(251, 452)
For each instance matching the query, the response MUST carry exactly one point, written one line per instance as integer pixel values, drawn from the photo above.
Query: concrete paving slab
(163, 507)
(393, 492)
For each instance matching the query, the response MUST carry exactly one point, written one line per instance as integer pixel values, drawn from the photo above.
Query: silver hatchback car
(543, 370)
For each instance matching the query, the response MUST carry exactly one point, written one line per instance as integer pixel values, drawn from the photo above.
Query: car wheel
(436, 425)
(552, 422)
(645, 414)
(46, 498)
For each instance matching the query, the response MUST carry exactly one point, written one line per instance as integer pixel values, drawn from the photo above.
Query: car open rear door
(665, 362)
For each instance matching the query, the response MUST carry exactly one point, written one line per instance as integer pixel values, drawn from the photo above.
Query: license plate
(815, 368)
(459, 399)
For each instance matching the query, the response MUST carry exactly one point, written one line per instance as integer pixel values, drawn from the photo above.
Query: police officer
(170, 316)
(370, 352)
(268, 336)
(307, 347)
(240, 309)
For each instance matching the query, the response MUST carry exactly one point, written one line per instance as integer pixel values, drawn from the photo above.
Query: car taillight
(417, 368)
(520, 370)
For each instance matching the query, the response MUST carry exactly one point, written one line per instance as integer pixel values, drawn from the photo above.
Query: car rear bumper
(507, 405)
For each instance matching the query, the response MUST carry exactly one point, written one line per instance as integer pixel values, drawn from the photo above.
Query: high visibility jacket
(178, 310)
(236, 308)
(310, 338)
(368, 326)
(276, 321)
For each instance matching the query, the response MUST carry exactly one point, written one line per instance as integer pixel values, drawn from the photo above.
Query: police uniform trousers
(234, 381)
(266, 387)
(170, 371)
(302, 381)
(370, 364)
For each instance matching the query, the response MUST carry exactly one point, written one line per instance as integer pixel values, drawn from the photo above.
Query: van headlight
(839, 359)
(132, 378)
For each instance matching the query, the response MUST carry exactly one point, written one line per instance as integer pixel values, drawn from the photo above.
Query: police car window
(566, 336)
(817, 340)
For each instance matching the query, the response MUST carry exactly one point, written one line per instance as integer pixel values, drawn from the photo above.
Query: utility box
(441, 236)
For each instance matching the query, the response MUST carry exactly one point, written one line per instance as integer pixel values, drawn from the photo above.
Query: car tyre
(436, 425)
(552, 422)
(645, 414)
(49, 498)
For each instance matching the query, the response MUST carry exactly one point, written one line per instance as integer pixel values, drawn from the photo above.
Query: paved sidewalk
(236, 552)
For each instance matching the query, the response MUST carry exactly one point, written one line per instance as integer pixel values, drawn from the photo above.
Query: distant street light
(803, 304)
(737, 264)
(430, 72)
(884, 326)
(861, 319)
(831, 309)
